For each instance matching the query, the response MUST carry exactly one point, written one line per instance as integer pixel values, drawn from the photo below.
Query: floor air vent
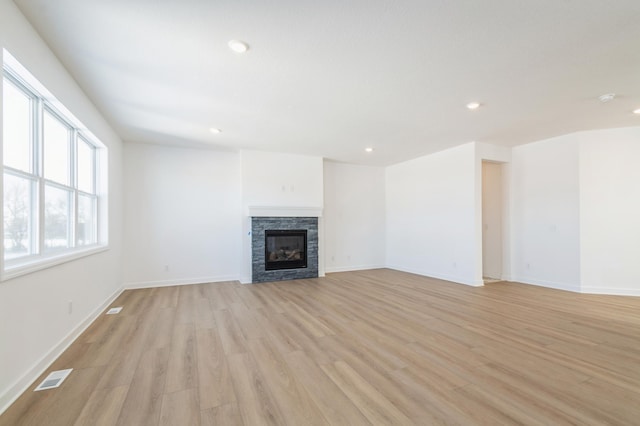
(53, 380)
(113, 311)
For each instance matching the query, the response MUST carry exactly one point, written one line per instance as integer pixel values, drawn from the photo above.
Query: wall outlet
(70, 307)
(528, 266)
(166, 268)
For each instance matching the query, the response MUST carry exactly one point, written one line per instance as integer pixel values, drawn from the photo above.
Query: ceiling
(329, 78)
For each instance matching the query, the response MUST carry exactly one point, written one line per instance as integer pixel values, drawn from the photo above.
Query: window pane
(57, 211)
(18, 213)
(86, 220)
(86, 154)
(56, 150)
(16, 131)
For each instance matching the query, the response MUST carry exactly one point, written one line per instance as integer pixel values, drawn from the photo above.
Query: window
(51, 202)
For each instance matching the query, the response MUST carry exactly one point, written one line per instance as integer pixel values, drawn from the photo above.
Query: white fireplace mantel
(281, 211)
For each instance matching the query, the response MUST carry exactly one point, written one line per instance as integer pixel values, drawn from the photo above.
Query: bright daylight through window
(51, 202)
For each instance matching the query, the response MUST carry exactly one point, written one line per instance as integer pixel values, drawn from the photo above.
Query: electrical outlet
(70, 307)
(166, 268)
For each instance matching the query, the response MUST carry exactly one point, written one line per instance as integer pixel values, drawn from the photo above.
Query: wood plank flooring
(355, 348)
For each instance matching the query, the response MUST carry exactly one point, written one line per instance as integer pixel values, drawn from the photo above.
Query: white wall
(182, 215)
(35, 325)
(545, 196)
(610, 211)
(431, 215)
(354, 217)
(274, 179)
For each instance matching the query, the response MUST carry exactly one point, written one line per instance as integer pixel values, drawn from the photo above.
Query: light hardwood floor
(370, 347)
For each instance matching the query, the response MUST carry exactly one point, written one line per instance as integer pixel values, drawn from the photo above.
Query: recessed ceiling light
(473, 105)
(215, 131)
(607, 97)
(369, 149)
(636, 111)
(238, 46)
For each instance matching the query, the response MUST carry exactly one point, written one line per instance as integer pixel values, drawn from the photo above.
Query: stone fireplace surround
(258, 227)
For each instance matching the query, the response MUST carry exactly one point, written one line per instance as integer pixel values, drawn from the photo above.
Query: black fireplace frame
(301, 263)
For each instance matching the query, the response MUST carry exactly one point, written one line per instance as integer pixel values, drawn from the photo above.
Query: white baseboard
(612, 291)
(330, 270)
(27, 379)
(576, 288)
(187, 281)
(549, 284)
(454, 279)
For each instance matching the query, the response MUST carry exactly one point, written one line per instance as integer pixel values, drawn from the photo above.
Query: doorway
(492, 208)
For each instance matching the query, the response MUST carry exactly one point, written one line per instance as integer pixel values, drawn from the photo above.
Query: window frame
(39, 256)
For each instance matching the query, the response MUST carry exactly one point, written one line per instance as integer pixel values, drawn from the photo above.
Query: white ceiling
(329, 78)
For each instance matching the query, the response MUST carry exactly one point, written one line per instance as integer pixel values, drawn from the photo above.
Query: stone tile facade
(258, 227)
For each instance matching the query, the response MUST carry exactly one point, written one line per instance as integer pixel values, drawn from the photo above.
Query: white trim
(27, 79)
(451, 278)
(23, 383)
(283, 211)
(612, 291)
(169, 283)
(549, 284)
(330, 270)
(40, 262)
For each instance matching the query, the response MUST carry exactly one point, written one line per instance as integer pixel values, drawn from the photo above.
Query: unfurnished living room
(320, 212)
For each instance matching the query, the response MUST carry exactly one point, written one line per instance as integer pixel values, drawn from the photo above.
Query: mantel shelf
(283, 211)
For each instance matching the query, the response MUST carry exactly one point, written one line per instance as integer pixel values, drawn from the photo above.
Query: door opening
(492, 208)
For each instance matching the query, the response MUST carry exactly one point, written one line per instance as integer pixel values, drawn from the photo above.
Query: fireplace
(285, 249)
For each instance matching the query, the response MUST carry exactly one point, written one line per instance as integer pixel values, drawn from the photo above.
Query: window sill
(48, 261)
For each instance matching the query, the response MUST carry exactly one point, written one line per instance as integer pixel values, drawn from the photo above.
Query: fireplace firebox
(285, 249)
